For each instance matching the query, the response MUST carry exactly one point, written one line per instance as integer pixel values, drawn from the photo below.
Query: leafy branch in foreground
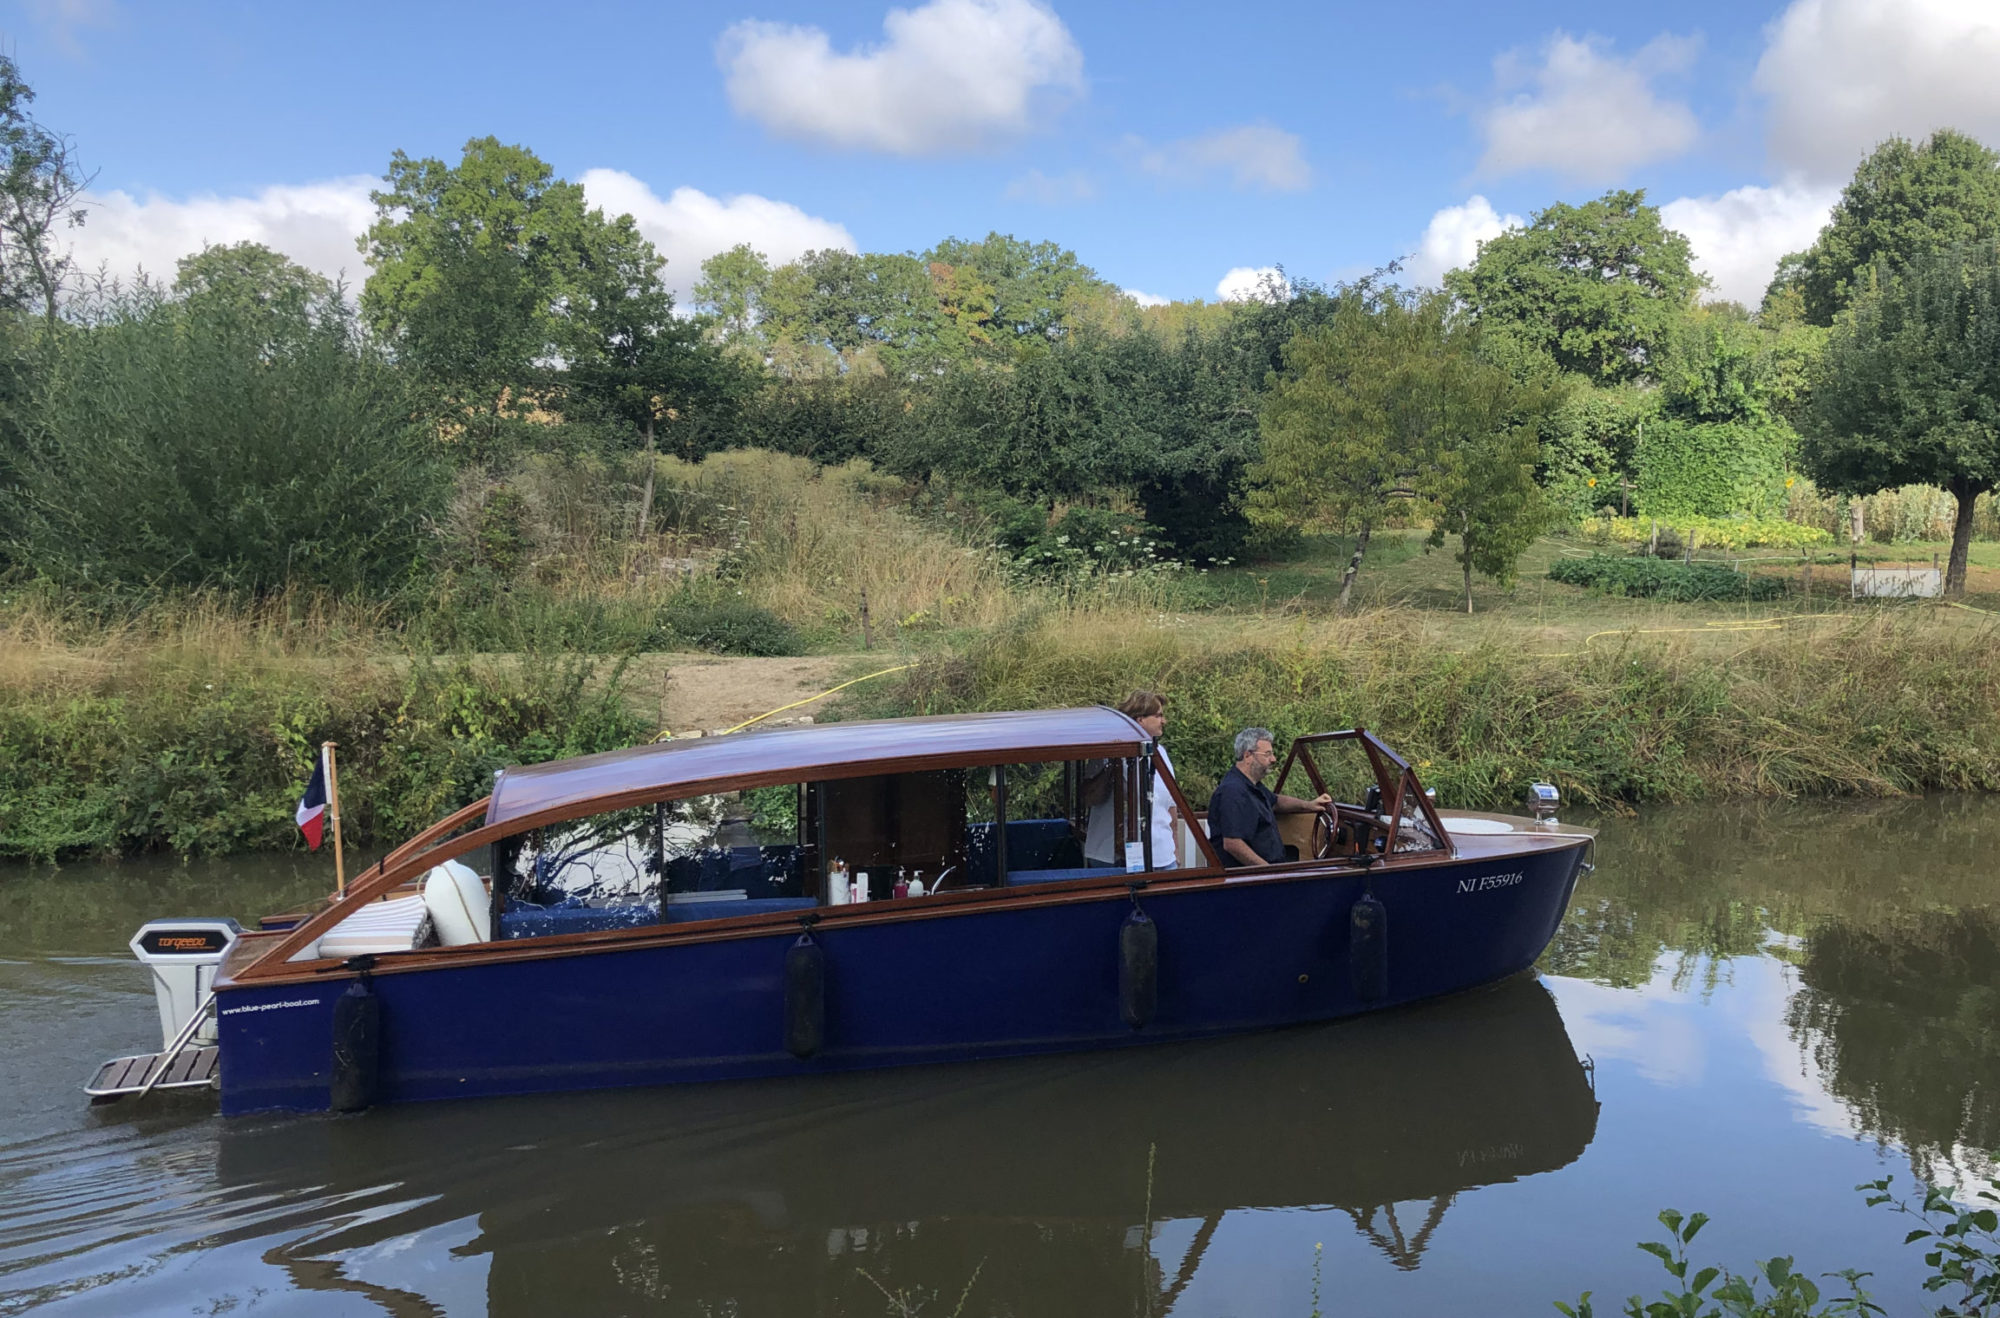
(1962, 1251)
(1791, 1293)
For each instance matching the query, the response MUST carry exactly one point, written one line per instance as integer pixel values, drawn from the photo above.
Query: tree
(634, 361)
(252, 276)
(732, 288)
(1908, 392)
(1481, 471)
(833, 310)
(41, 186)
(1597, 287)
(490, 271)
(1341, 433)
(1030, 284)
(1904, 201)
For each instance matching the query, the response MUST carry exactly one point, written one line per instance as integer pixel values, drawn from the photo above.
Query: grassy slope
(186, 723)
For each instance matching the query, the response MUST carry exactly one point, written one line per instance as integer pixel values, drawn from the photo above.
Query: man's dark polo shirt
(1246, 810)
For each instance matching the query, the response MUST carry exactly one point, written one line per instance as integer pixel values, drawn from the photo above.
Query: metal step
(195, 1068)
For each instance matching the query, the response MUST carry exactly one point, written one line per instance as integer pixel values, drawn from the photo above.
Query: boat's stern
(183, 957)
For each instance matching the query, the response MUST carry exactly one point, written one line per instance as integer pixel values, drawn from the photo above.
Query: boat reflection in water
(1031, 1179)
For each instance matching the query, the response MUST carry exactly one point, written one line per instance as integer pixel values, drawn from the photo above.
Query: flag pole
(333, 809)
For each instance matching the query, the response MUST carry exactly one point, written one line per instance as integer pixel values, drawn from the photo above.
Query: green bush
(206, 443)
(1712, 469)
(724, 624)
(212, 760)
(1652, 578)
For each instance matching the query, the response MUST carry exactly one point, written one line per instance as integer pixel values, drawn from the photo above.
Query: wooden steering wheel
(1325, 823)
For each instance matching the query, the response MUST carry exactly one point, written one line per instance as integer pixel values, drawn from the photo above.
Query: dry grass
(813, 540)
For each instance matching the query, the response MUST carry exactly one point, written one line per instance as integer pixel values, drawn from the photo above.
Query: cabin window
(576, 877)
(700, 858)
(991, 826)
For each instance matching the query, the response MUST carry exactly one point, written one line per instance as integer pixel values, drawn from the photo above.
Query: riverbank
(1667, 710)
(199, 751)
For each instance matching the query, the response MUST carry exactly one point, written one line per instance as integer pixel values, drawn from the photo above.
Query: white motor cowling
(184, 956)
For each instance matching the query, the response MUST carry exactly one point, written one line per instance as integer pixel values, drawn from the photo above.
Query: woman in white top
(1149, 710)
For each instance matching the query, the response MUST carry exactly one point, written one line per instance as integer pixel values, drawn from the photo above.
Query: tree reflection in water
(1887, 908)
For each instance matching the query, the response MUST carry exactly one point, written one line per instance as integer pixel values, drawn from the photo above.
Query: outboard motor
(183, 956)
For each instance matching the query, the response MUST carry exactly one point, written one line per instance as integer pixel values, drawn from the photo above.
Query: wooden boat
(675, 912)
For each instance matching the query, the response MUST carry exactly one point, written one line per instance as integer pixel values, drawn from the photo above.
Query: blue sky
(1168, 144)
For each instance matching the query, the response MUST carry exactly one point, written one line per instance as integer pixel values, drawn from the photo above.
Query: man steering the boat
(1243, 813)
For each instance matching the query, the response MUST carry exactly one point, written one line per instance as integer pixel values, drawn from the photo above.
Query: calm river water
(1748, 1011)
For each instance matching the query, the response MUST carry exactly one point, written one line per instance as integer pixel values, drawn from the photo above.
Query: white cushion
(394, 926)
(459, 906)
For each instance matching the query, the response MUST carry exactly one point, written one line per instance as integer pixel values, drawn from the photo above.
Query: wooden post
(333, 814)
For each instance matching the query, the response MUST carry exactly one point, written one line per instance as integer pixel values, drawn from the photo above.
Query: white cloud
(953, 75)
(1245, 282)
(1585, 114)
(1059, 190)
(315, 224)
(1842, 75)
(1145, 299)
(689, 225)
(1452, 239)
(1259, 156)
(1739, 237)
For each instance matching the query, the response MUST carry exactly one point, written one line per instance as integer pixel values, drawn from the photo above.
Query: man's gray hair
(1246, 740)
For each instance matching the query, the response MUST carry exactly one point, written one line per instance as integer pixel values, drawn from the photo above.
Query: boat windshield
(1379, 802)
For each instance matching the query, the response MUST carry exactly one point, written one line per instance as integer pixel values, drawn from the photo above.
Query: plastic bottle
(839, 888)
(917, 886)
(902, 888)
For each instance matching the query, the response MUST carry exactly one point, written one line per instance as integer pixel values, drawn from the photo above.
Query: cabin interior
(781, 848)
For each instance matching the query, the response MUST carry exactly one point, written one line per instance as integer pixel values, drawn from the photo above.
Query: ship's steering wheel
(1325, 824)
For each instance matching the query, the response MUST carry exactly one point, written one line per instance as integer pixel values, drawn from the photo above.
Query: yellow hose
(666, 733)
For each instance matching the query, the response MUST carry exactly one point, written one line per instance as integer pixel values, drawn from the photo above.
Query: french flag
(312, 806)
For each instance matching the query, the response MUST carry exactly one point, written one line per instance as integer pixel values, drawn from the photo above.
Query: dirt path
(689, 692)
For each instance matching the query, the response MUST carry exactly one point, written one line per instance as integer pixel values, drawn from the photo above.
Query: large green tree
(1030, 286)
(731, 289)
(1598, 287)
(1906, 200)
(1908, 392)
(489, 271)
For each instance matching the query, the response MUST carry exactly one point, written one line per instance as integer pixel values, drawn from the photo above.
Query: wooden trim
(1112, 887)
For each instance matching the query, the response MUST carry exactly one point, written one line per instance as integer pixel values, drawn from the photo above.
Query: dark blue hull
(980, 980)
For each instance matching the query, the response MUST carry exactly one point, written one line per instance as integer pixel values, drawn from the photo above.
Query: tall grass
(1877, 705)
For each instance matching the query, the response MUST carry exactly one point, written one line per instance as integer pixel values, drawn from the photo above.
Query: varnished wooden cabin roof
(830, 750)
